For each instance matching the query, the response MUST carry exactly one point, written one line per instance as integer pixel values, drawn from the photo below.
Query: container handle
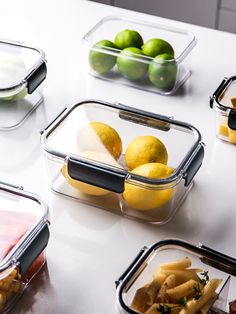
(99, 176)
(232, 119)
(36, 78)
(33, 250)
(128, 269)
(217, 91)
(194, 165)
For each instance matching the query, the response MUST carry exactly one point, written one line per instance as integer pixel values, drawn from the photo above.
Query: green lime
(130, 68)
(102, 62)
(157, 46)
(128, 38)
(163, 71)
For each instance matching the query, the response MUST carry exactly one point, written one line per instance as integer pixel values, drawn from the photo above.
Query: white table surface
(89, 248)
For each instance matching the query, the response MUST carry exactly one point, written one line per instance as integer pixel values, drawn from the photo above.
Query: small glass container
(24, 235)
(223, 101)
(22, 70)
(134, 285)
(94, 151)
(142, 72)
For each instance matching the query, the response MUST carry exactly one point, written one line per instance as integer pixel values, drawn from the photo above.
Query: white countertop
(89, 248)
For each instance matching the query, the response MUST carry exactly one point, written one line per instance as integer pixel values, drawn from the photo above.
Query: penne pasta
(182, 275)
(184, 290)
(180, 264)
(193, 306)
(177, 289)
(169, 283)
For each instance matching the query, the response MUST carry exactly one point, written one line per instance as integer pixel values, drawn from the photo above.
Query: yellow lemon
(85, 187)
(100, 137)
(145, 149)
(145, 198)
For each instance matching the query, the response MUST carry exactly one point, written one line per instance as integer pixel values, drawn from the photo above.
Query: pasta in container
(173, 276)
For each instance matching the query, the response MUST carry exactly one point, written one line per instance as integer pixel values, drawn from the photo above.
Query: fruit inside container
(13, 227)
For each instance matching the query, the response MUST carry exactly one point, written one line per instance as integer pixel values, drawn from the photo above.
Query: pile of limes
(135, 59)
(145, 156)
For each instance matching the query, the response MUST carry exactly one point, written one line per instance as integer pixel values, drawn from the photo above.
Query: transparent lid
(195, 277)
(110, 135)
(22, 69)
(22, 216)
(181, 40)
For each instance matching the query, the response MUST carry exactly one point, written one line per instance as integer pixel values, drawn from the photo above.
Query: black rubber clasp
(36, 78)
(30, 254)
(232, 119)
(102, 177)
(194, 165)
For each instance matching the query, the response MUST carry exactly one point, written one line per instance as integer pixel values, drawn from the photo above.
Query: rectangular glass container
(24, 235)
(208, 263)
(223, 101)
(102, 144)
(158, 76)
(22, 70)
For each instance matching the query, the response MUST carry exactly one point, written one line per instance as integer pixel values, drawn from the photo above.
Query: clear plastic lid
(100, 135)
(22, 70)
(23, 216)
(177, 275)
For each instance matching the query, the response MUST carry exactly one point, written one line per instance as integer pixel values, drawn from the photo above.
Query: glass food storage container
(22, 70)
(24, 234)
(172, 276)
(156, 61)
(223, 101)
(121, 159)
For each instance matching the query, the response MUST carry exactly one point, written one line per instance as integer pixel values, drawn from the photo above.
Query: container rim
(180, 171)
(178, 59)
(31, 70)
(12, 259)
(208, 257)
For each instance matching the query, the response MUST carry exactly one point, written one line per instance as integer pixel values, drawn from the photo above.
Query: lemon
(128, 38)
(142, 198)
(157, 46)
(85, 187)
(163, 71)
(102, 62)
(100, 137)
(130, 68)
(232, 136)
(145, 149)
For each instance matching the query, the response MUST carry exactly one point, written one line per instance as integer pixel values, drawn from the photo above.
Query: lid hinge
(194, 165)
(33, 250)
(232, 119)
(99, 176)
(36, 78)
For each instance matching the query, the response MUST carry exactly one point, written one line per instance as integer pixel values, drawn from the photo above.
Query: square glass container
(206, 262)
(158, 76)
(223, 101)
(22, 70)
(88, 143)
(24, 235)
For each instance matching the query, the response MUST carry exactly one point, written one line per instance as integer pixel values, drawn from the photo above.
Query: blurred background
(217, 14)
